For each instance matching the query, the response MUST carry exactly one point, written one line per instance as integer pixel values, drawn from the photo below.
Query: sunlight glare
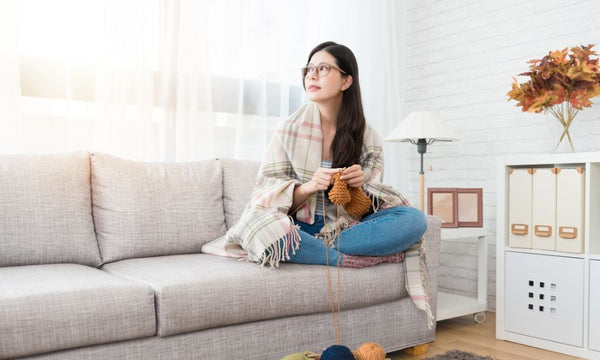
(61, 29)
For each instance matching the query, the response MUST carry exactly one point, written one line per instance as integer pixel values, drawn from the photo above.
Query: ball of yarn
(369, 351)
(360, 203)
(294, 356)
(305, 355)
(337, 352)
(339, 194)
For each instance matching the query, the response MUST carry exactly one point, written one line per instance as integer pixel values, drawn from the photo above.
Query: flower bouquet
(560, 83)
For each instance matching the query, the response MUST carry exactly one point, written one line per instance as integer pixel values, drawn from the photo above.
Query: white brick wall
(461, 57)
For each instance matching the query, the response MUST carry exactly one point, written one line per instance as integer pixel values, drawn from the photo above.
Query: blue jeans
(385, 232)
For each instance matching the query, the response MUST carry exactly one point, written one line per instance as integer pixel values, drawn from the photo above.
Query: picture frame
(470, 207)
(443, 203)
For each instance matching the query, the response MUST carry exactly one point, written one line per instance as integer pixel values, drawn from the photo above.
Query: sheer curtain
(184, 79)
(9, 77)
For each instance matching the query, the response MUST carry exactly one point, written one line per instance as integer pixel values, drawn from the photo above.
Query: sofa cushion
(149, 209)
(50, 307)
(239, 178)
(46, 211)
(195, 292)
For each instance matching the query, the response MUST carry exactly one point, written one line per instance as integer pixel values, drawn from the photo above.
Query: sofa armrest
(432, 247)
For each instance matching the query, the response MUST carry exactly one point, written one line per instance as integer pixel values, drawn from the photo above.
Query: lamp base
(422, 192)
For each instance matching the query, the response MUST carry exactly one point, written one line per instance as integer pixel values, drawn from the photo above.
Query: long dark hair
(346, 146)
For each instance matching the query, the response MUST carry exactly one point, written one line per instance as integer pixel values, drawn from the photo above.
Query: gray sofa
(100, 258)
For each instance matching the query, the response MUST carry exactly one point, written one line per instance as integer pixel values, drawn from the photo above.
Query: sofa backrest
(45, 210)
(239, 178)
(149, 209)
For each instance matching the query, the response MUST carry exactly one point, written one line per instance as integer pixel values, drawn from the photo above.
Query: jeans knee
(419, 220)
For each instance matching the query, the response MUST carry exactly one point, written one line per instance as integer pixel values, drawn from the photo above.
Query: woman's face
(320, 87)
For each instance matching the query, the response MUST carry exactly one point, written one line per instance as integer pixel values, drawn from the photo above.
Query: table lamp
(422, 128)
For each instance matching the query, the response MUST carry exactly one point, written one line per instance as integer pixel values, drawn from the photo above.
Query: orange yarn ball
(369, 351)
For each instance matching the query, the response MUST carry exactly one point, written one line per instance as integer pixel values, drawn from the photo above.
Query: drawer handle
(519, 229)
(567, 232)
(543, 230)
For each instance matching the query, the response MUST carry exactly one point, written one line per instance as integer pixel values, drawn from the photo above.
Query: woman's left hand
(354, 176)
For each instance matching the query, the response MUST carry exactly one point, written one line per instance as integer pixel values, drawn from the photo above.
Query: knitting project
(354, 200)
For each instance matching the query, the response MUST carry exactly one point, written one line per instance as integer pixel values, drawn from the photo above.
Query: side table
(451, 305)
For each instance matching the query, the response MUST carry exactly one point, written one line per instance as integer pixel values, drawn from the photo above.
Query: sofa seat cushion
(46, 210)
(199, 291)
(144, 209)
(51, 307)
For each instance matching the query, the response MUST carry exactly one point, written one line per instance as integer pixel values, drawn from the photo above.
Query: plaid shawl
(291, 158)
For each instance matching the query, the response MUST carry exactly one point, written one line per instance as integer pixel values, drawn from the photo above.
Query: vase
(562, 119)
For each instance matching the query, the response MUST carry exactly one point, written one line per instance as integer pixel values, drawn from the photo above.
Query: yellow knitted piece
(360, 203)
(355, 201)
(339, 194)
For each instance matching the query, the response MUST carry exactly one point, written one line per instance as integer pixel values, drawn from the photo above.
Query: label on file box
(543, 230)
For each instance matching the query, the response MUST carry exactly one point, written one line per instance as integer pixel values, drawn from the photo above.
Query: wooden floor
(464, 334)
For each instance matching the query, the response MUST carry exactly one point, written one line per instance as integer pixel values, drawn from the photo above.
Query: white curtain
(9, 77)
(181, 80)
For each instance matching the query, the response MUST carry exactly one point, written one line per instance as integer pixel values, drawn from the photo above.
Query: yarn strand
(335, 328)
(339, 335)
(356, 203)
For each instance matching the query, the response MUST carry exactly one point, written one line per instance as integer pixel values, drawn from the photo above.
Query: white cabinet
(545, 297)
(594, 337)
(452, 305)
(548, 252)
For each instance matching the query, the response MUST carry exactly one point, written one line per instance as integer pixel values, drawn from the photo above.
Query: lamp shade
(422, 125)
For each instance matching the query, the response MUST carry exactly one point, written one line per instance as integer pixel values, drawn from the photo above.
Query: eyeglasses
(321, 69)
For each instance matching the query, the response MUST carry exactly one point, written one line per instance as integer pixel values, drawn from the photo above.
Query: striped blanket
(291, 158)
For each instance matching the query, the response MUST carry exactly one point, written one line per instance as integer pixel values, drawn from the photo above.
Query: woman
(290, 215)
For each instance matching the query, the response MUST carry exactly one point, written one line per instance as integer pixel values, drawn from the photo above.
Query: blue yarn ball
(337, 352)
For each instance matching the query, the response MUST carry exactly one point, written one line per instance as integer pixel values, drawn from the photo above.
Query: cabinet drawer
(544, 297)
(594, 335)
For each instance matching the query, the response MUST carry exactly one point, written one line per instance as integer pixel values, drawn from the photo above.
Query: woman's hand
(321, 179)
(354, 176)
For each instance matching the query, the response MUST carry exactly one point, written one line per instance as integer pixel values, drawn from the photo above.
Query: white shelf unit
(451, 305)
(586, 307)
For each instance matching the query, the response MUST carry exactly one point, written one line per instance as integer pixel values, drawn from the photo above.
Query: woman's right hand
(321, 179)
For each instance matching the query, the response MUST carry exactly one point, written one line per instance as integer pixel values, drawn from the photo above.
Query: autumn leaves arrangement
(561, 83)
